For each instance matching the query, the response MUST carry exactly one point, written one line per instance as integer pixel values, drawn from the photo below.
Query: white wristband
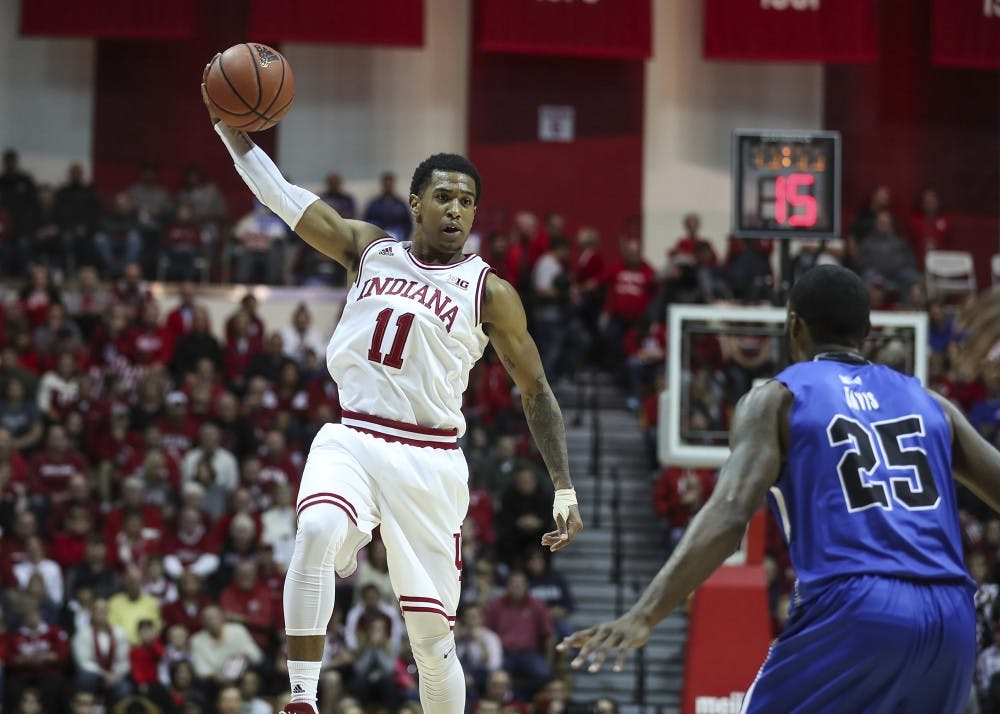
(565, 497)
(260, 173)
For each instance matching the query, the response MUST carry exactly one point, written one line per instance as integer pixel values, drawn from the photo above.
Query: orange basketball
(250, 86)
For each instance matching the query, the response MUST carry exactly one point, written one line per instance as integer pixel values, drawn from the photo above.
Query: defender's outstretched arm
(757, 440)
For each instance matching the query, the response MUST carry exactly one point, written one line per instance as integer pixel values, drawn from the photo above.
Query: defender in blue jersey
(858, 463)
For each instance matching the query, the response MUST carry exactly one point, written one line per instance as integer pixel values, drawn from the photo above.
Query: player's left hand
(566, 530)
(627, 632)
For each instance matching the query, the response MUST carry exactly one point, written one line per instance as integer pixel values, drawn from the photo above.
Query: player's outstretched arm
(505, 323)
(316, 222)
(975, 463)
(756, 437)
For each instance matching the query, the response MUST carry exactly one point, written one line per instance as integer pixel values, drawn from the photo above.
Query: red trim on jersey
(400, 425)
(364, 254)
(409, 442)
(411, 598)
(338, 501)
(429, 266)
(409, 608)
(329, 495)
(480, 291)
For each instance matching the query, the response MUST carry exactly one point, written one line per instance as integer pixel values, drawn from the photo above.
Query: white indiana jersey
(409, 334)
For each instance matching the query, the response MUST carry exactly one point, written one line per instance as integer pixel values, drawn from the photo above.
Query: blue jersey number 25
(878, 444)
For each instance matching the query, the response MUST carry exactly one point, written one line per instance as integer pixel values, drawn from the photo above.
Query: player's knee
(426, 627)
(321, 527)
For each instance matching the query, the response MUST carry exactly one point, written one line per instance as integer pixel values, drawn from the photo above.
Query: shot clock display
(787, 184)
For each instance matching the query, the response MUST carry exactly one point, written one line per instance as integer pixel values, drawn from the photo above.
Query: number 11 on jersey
(395, 356)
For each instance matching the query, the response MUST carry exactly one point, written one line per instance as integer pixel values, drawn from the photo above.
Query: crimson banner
(580, 28)
(121, 19)
(791, 30)
(371, 22)
(966, 33)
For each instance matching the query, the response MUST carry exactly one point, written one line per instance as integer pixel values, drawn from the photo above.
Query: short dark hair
(833, 302)
(444, 162)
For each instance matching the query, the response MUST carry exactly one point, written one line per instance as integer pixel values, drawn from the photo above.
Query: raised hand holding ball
(250, 86)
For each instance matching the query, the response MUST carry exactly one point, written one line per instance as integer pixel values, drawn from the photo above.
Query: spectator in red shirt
(929, 228)
(53, 467)
(587, 274)
(132, 501)
(69, 547)
(37, 655)
(629, 287)
(112, 340)
(144, 659)
(186, 609)
(248, 602)
(179, 428)
(520, 257)
(526, 633)
(678, 495)
(180, 320)
(36, 296)
(248, 307)
(135, 543)
(278, 465)
(152, 343)
(191, 547)
(241, 346)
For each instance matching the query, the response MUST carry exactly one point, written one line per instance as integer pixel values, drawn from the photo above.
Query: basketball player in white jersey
(416, 320)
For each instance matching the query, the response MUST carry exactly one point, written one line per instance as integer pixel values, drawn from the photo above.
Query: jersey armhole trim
(364, 254)
(480, 292)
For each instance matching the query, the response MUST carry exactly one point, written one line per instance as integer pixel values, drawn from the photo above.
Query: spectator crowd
(149, 465)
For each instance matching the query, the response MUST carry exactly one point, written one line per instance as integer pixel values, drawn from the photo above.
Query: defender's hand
(566, 530)
(204, 94)
(627, 632)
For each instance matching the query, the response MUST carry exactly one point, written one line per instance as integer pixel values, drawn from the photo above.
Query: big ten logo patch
(799, 5)
(991, 8)
(464, 284)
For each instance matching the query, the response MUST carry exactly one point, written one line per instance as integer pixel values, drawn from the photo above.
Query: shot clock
(787, 184)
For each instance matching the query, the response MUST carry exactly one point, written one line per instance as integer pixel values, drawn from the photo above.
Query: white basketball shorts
(413, 482)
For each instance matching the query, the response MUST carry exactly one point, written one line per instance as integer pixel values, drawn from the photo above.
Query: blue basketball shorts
(872, 644)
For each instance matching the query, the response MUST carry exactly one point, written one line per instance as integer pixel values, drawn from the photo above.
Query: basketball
(250, 86)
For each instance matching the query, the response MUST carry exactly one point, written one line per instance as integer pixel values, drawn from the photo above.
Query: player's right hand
(566, 530)
(204, 94)
(627, 632)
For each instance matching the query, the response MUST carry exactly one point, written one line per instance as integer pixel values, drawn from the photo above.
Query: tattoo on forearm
(546, 424)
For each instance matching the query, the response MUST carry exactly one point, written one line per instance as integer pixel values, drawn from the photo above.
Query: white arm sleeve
(262, 176)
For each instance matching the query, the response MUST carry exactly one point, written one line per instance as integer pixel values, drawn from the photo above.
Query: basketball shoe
(299, 708)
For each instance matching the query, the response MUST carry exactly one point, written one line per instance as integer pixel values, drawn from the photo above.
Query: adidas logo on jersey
(386, 251)
(464, 284)
(850, 381)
